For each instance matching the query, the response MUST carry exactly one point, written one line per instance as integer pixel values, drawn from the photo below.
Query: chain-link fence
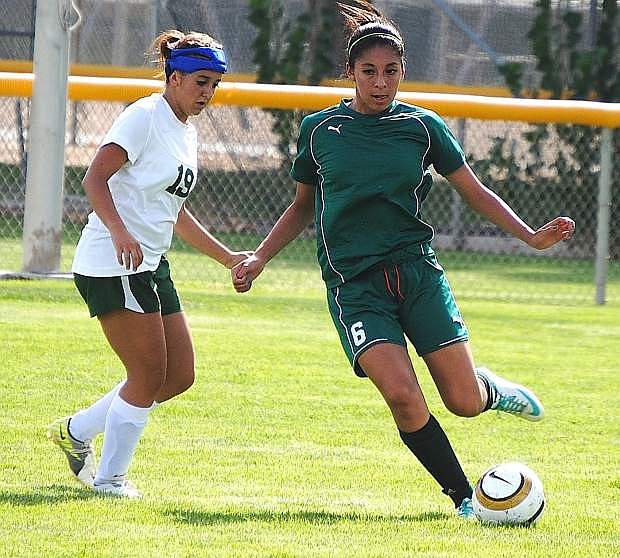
(457, 42)
(542, 171)
(244, 186)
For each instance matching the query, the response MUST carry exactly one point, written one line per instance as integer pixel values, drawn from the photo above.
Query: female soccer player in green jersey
(137, 184)
(362, 172)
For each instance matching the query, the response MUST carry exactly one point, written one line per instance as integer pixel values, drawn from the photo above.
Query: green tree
(568, 68)
(292, 51)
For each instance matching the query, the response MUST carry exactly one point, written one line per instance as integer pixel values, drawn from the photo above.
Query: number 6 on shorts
(358, 334)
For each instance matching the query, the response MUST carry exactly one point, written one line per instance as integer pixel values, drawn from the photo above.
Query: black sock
(490, 395)
(432, 448)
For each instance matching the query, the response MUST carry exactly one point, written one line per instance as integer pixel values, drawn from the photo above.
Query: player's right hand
(128, 250)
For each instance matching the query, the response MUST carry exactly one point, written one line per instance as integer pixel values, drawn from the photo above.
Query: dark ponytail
(367, 27)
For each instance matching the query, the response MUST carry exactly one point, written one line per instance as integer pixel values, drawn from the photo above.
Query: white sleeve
(130, 131)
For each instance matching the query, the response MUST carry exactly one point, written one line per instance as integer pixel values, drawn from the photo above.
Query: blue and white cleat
(466, 509)
(512, 398)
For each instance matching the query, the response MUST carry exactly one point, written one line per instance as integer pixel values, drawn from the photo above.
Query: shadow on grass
(46, 495)
(193, 517)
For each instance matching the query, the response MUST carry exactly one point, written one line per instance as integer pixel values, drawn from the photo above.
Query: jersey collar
(345, 105)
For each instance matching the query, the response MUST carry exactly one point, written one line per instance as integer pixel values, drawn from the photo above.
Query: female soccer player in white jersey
(137, 184)
(362, 171)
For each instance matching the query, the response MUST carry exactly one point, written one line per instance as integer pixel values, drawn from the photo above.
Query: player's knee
(464, 407)
(178, 381)
(144, 384)
(402, 402)
(155, 380)
(463, 401)
(186, 381)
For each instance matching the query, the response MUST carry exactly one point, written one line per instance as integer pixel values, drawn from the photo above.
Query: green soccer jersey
(371, 176)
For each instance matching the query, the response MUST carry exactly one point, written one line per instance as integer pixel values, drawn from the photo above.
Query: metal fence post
(46, 140)
(604, 215)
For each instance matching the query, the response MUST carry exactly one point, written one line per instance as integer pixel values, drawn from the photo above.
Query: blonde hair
(163, 44)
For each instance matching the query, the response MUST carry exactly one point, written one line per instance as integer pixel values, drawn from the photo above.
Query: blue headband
(191, 60)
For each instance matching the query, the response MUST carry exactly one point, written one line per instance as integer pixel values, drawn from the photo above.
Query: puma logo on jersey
(334, 128)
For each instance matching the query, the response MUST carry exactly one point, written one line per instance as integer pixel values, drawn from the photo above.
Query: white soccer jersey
(148, 191)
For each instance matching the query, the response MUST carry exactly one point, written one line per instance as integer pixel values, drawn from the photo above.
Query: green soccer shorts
(145, 292)
(393, 300)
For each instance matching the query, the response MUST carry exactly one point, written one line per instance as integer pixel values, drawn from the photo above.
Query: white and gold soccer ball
(510, 493)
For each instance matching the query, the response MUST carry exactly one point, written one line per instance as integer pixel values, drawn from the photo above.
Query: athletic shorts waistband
(403, 254)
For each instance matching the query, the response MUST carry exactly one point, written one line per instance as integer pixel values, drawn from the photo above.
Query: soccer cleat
(80, 455)
(121, 488)
(466, 510)
(511, 398)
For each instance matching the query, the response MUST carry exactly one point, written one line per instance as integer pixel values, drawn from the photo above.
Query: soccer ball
(510, 493)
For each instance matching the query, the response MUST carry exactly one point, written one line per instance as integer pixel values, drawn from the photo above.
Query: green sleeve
(446, 155)
(304, 169)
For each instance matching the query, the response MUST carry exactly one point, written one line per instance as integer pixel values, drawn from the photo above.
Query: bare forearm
(196, 235)
(488, 204)
(492, 207)
(288, 227)
(295, 219)
(100, 199)
(107, 161)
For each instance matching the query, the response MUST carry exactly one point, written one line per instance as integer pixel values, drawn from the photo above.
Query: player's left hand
(245, 272)
(561, 228)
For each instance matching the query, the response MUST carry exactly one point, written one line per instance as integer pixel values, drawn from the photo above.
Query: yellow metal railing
(86, 88)
(146, 72)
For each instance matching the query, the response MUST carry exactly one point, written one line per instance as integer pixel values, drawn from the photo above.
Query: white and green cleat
(512, 398)
(80, 455)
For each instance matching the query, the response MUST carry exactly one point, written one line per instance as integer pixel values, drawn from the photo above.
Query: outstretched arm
(292, 222)
(488, 204)
(192, 232)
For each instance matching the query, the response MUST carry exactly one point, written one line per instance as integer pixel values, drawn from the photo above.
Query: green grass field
(279, 450)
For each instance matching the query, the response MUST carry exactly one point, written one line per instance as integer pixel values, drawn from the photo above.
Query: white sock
(123, 428)
(87, 423)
